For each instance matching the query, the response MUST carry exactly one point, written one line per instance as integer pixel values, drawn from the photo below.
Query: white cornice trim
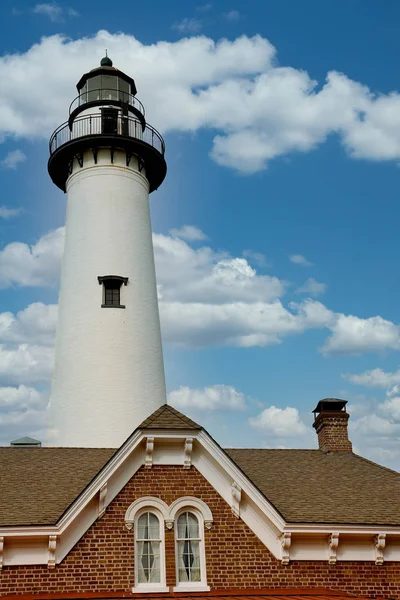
(196, 447)
(241, 479)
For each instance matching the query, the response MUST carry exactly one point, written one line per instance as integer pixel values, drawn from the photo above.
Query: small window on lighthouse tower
(112, 290)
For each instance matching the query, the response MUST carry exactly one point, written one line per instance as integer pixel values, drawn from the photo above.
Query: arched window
(190, 551)
(149, 551)
(188, 548)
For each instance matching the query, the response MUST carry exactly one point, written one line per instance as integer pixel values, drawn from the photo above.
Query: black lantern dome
(106, 61)
(106, 114)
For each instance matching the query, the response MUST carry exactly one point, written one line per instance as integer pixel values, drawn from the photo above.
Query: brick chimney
(330, 423)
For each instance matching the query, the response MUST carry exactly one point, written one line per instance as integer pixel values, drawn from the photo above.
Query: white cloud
(376, 378)
(54, 11)
(23, 411)
(210, 298)
(299, 259)
(280, 422)
(216, 397)
(36, 265)
(35, 324)
(352, 335)
(256, 109)
(189, 233)
(13, 159)
(20, 398)
(232, 15)
(204, 276)
(256, 257)
(313, 287)
(188, 25)
(25, 364)
(9, 213)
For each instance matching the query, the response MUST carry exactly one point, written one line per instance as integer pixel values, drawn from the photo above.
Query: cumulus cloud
(25, 363)
(23, 411)
(209, 298)
(280, 422)
(189, 233)
(299, 259)
(13, 159)
(216, 397)
(353, 335)
(256, 109)
(312, 287)
(376, 378)
(36, 265)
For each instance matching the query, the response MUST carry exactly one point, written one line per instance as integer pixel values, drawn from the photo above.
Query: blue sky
(283, 146)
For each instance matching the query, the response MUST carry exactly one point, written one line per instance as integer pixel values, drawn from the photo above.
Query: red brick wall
(332, 431)
(103, 558)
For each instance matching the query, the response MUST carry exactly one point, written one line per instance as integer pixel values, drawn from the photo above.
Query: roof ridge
(371, 462)
(159, 419)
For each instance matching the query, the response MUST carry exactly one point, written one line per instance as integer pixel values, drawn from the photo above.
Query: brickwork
(332, 432)
(103, 560)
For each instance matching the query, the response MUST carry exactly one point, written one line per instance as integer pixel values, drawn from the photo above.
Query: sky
(276, 231)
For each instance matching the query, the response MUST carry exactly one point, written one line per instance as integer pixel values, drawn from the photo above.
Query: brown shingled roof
(167, 417)
(37, 485)
(310, 486)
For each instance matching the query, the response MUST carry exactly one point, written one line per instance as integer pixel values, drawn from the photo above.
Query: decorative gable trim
(236, 491)
(333, 544)
(149, 452)
(307, 541)
(187, 455)
(286, 541)
(51, 562)
(380, 543)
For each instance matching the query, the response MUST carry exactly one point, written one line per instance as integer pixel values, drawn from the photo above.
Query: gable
(287, 540)
(102, 561)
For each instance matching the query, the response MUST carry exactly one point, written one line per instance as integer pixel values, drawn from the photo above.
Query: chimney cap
(331, 405)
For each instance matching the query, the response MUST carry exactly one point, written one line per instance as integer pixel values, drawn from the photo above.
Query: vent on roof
(26, 442)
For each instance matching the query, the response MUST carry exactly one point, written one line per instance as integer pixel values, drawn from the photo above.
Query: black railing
(99, 124)
(106, 94)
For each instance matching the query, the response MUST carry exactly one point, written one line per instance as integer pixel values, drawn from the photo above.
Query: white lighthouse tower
(108, 373)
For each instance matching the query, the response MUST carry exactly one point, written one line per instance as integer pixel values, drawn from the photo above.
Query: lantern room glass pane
(124, 90)
(109, 85)
(83, 95)
(94, 85)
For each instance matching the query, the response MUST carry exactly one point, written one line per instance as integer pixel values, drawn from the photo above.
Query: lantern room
(109, 86)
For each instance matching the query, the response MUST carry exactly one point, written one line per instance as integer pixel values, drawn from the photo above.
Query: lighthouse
(108, 371)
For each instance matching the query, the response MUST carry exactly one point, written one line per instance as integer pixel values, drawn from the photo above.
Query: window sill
(144, 589)
(113, 306)
(192, 588)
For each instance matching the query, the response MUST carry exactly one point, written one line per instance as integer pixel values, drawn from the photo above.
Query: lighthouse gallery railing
(99, 124)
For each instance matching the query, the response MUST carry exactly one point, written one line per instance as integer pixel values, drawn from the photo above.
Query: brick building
(130, 505)
(170, 513)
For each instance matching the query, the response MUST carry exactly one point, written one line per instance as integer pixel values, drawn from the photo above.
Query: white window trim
(160, 510)
(191, 586)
